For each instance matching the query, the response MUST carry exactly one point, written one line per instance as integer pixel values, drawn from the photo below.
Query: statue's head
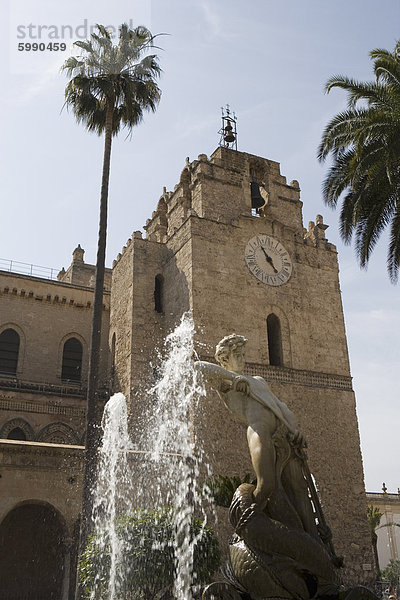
(229, 347)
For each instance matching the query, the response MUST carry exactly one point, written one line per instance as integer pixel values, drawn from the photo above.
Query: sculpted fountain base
(268, 560)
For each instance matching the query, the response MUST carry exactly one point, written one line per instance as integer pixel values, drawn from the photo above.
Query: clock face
(268, 260)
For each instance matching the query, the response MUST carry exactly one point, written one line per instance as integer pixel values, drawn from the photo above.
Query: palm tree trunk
(92, 412)
(374, 540)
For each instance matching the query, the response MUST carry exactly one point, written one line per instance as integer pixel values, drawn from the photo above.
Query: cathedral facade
(228, 245)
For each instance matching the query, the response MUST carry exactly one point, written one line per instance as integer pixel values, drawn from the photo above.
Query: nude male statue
(274, 441)
(277, 550)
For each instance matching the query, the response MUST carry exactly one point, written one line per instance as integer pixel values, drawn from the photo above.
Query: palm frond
(122, 75)
(105, 34)
(342, 131)
(87, 46)
(393, 257)
(387, 65)
(374, 516)
(371, 92)
(364, 143)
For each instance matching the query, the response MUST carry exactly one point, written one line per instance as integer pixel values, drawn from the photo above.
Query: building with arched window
(44, 339)
(71, 368)
(9, 351)
(261, 274)
(388, 531)
(257, 273)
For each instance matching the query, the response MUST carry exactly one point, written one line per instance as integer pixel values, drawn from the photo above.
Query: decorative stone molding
(308, 378)
(7, 403)
(42, 388)
(7, 383)
(297, 376)
(16, 454)
(54, 286)
(387, 498)
(58, 433)
(21, 424)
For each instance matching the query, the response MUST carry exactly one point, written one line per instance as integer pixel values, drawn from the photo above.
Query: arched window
(72, 360)
(17, 429)
(17, 434)
(158, 293)
(274, 340)
(113, 344)
(113, 374)
(9, 349)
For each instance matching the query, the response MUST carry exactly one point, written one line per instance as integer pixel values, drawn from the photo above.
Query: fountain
(171, 431)
(113, 476)
(138, 481)
(281, 547)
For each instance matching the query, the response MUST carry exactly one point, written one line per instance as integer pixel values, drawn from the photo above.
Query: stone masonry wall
(147, 323)
(45, 415)
(313, 336)
(81, 273)
(204, 226)
(138, 328)
(45, 313)
(46, 475)
(121, 311)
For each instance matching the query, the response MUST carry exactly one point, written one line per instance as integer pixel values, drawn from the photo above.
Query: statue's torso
(257, 407)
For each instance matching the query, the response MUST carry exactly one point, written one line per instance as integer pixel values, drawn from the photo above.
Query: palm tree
(364, 144)
(111, 86)
(374, 516)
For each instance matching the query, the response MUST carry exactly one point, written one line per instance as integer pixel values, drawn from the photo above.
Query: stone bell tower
(229, 244)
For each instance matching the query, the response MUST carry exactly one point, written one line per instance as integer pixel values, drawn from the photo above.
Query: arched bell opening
(258, 199)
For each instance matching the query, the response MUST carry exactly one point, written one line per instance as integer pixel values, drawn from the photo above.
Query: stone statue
(282, 546)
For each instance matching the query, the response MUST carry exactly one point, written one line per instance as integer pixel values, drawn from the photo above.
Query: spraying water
(171, 429)
(111, 497)
(166, 475)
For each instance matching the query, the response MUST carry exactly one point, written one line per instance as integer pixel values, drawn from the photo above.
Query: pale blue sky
(270, 61)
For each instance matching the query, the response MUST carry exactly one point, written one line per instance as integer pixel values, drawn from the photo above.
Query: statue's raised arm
(219, 378)
(228, 378)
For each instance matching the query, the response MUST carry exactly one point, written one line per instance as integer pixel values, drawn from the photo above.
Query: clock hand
(269, 259)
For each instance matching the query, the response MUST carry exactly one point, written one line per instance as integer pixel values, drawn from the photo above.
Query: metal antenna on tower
(228, 131)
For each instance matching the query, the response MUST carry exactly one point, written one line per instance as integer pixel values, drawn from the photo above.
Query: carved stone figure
(282, 546)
